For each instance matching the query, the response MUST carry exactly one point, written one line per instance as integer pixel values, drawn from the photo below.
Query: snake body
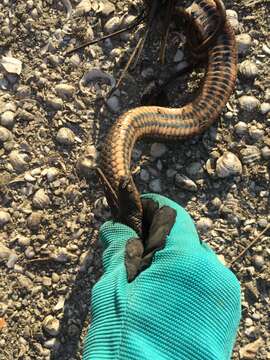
(168, 124)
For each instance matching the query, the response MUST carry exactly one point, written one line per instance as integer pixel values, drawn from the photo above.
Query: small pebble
(183, 182)
(7, 119)
(85, 166)
(106, 8)
(112, 24)
(241, 128)
(113, 104)
(243, 42)
(83, 7)
(41, 200)
(51, 325)
(248, 69)
(262, 223)
(5, 252)
(204, 224)
(13, 258)
(265, 108)
(227, 165)
(155, 186)
(52, 174)
(34, 220)
(266, 152)
(195, 170)
(216, 202)
(158, 150)
(11, 65)
(23, 240)
(144, 175)
(232, 17)
(255, 133)
(65, 91)
(179, 56)
(4, 218)
(25, 282)
(250, 154)
(250, 351)
(258, 261)
(54, 102)
(18, 160)
(52, 343)
(249, 103)
(65, 136)
(5, 134)
(266, 49)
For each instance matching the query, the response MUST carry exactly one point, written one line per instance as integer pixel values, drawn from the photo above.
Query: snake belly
(167, 124)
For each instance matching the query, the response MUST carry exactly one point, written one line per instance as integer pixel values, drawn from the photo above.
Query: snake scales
(168, 124)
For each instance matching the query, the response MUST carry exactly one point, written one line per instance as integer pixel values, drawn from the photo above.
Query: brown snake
(165, 124)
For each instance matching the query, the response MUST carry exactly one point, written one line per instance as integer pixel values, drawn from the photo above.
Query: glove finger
(183, 234)
(113, 237)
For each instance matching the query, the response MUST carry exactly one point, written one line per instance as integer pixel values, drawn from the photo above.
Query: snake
(171, 124)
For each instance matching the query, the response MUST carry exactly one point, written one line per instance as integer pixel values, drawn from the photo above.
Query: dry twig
(249, 246)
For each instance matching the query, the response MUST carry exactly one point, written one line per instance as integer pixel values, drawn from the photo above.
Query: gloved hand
(185, 305)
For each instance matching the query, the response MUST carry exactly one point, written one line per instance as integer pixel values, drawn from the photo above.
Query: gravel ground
(52, 122)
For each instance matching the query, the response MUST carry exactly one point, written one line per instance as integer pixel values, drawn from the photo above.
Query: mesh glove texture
(185, 306)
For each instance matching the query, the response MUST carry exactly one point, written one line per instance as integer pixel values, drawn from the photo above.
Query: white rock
(65, 136)
(54, 102)
(204, 224)
(241, 128)
(4, 218)
(266, 152)
(243, 42)
(41, 200)
(7, 119)
(227, 165)
(23, 240)
(255, 133)
(83, 7)
(232, 17)
(4, 252)
(52, 174)
(249, 103)
(18, 160)
(65, 91)
(11, 65)
(5, 134)
(13, 258)
(265, 108)
(266, 49)
(248, 69)
(184, 182)
(106, 8)
(112, 24)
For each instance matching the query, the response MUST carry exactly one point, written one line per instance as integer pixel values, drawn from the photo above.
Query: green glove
(185, 305)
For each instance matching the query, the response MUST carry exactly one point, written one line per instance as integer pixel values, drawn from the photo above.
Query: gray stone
(158, 150)
(155, 186)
